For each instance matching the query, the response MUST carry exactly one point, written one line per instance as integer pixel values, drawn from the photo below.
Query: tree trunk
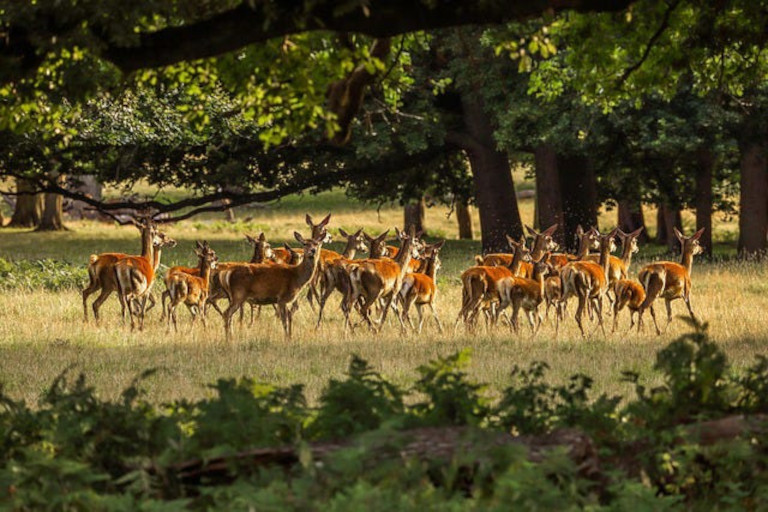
(29, 208)
(631, 218)
(661, 227)
(705, 163)
(753, 218)
(413, 215)
(670, 218)
(464, 217)
(89, 186)
(53, 213)
(492, 176)
(549, 201)
(579, 195)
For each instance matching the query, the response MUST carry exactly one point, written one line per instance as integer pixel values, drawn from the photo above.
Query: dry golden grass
(42, 333)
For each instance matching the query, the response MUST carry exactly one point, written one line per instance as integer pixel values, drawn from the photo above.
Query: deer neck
(156, 258)
(147, 246)
(686, 260)
(626, 252)
(538, 248)
(350, 250)
(583, 248)
(306, 269)
(258, 255)
(205, 272)
(538, 276)
(517, 259)
(605, 257)
(431, 269)
(404, 257)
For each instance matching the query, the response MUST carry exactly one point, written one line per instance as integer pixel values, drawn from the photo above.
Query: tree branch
(651, 42)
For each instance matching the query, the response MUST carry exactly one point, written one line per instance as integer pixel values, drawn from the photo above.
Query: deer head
(690, 244)
(357, 239)
(261, 247)
(319, 227)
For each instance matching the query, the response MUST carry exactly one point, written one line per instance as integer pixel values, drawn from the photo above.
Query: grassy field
(42, 333)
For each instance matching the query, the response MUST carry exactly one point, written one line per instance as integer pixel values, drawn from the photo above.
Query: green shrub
(46, 274)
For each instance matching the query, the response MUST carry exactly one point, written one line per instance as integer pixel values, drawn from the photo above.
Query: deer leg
(687, 300)
(668, 303)
(580, 312)
(599, 311)
(152, 301)
(421, 316)
(655, 323)
(87, 291)
(99, 301)
(327, 291)
(234, 305)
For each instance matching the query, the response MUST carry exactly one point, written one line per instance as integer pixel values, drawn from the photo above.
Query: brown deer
(276, 283)
(101, 267)
(135, 276)
(335, 270)
(421, 288)
(192, 290)
(542, 242)
(587, 240)
(525, 293)
(588, 280)
(619, 266)
(670, 280)
(374, 279)
(631, 294)
(479, 285)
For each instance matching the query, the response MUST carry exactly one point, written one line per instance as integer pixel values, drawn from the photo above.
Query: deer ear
(530, 230)
(298, 237)
(698, 234)
(579, 230)
(613, 233)
(551, 230)
(343, 233)
(325, 221)
(198, 245)
(358, 232)
(678, 234)
(308, 220)
(511, 241)
(397, 232)
(383, 235)
(522, 240)
(637, 232)
(368, 237)
(438, 245)
(262, 237)
(288, 247)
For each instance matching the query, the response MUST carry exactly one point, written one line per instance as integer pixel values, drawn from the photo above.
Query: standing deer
(631, 294)
(479, 285)
(670, 280)
(421, 288)
(192, 290)
(336, 277)
(277, 283)
(525, 293)
(588, 280)
(101, 267)
(542, 242)
(135, 276)
(375, 279)
(618, 267)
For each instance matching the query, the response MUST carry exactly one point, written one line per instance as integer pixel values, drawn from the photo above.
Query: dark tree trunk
(29, 208)
(661, 227)
(464, 217)
(549, 202)
(492, 176)
(89, 186)
(53, 213)
(631, 218)
(705, 164)
(579, 196)
(413, 215)
(670, 218)
(753, 218)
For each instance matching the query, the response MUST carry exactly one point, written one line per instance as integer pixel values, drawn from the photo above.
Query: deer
(542, 242)
(588, 280)
(629, 293)
(553, 295)
(479, 284)
(101, 274)
(135, 276)
(192, 290)
(619, 266)
(525, 293)
(375, 279)
(276, 283)
(670, 280)
(421, 288)
(391, 250)
(553, 286)
(335, 270)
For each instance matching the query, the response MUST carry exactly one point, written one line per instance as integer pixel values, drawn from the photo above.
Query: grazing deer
(588, 280)
(631, 294)
(276, 283)
(525, 293)
(479, 285)
(421, 288)
(375, 279)
(135, 276)
(192, 290)
(542, 242)
(670, 280)
(335, 270)
(101, 267)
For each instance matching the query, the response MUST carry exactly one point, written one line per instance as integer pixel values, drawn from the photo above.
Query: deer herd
(397, 279)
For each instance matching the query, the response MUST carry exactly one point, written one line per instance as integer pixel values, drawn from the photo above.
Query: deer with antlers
(587, 280)
(374, 279)
(421, 288)
(670, 280)
(192, 290)
(277, 283)
(101, 274)
(525, 293)
(479, 285)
